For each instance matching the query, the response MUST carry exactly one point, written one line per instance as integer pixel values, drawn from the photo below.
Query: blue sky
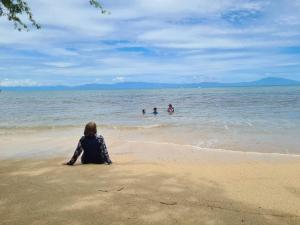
(153, 41)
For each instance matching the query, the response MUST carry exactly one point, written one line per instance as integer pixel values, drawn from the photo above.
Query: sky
(169, 41)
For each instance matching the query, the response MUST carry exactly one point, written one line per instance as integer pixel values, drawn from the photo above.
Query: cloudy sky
(153, 41)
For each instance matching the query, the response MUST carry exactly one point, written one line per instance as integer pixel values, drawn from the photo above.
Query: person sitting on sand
(93, 147)
(170, 109)
(155, 111)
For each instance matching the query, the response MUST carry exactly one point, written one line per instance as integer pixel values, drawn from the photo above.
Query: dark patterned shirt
(94, 151)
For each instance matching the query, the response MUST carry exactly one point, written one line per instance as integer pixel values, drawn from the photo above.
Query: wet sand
(151, 183)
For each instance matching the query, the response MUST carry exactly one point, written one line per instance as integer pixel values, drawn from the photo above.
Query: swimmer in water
(144, 111)
(155, 111)
(170, 109)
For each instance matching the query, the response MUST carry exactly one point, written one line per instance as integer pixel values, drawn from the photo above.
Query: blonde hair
(90, 129)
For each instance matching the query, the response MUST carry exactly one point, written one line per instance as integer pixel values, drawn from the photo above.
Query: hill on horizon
(268, 81)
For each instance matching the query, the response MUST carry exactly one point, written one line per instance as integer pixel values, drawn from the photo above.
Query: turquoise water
(265, 119)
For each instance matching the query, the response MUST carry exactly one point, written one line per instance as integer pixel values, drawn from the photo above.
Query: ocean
(260, 119)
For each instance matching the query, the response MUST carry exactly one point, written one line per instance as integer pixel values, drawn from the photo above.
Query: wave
(104, 126)
(215, 149)
(136, 127)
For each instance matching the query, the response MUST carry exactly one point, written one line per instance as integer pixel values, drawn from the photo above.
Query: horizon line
(155, 83)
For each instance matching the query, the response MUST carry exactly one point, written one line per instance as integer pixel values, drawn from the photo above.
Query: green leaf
(12, 9)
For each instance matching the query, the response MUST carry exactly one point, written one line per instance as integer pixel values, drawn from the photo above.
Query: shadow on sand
(39, 193)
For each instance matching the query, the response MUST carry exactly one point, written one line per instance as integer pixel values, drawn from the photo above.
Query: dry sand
(151, 183)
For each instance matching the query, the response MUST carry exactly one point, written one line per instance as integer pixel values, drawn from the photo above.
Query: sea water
(264, 119)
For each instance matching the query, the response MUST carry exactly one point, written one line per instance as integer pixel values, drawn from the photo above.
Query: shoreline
(50, 152)
(148, 183)
(59, 142)
(219, 149)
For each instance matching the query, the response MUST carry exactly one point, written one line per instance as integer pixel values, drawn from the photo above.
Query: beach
(148, 183)
(224, 157)
(140, 112)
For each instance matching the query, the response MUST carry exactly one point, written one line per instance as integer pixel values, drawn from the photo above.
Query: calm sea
(265, 119)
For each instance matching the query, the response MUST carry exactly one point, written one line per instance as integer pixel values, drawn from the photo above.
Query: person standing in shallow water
(155, 111)
(93, 147)
(170, 109)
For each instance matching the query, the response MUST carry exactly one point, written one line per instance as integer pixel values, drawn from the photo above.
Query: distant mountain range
(270, 81)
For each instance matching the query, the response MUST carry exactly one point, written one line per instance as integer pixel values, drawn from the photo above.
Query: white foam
(216, 149)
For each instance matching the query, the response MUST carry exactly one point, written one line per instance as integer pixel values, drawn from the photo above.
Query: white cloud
(152, 39)
(59, 64)
(119, 79)
(21, 82)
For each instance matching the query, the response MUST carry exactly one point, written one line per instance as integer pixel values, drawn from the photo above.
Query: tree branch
(13, 9)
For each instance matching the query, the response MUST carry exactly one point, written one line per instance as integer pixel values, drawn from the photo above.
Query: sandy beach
(193, 105)
(150, 183)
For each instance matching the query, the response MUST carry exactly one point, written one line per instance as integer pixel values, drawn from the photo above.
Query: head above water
(90, 129)
(170, 106)
(154, 109)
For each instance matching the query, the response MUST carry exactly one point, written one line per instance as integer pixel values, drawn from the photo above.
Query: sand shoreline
(55, 143)
(58, 142)
(152, 184)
